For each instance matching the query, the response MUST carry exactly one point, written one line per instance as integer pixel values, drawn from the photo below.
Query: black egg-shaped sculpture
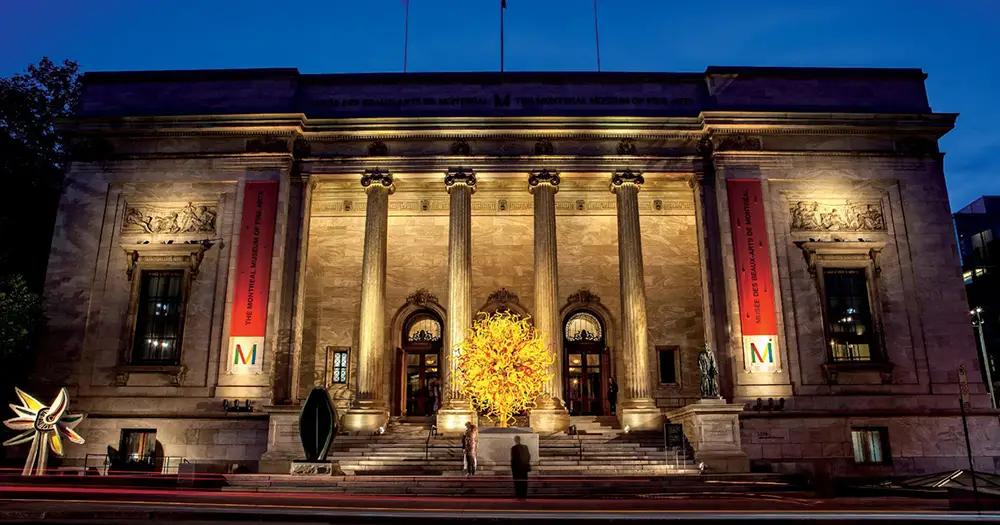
(317, 425)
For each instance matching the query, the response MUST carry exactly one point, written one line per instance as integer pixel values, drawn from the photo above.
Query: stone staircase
(599, 448)
(406, 449)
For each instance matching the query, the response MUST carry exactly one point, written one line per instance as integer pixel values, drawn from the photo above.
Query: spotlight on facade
(236, 406)
(627, 429)
(701, 467)
(381, 430)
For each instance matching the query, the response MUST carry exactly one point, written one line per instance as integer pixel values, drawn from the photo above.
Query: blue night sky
(954, 41)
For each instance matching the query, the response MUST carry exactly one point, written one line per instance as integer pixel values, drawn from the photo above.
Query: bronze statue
(709, 373)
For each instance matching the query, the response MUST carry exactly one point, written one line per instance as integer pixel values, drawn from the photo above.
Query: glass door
(584, 382)
(422, 387)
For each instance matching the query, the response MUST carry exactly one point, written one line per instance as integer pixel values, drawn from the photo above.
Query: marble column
(461, 184)
(369, 411)
(638, 411)
(549, 415)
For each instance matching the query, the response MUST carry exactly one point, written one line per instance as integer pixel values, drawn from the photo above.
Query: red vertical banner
(754, 282)
(248, 324)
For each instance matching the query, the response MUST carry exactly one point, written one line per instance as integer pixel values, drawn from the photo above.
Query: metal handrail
(169, 464)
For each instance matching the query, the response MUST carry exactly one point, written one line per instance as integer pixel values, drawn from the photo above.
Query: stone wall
(219, 441)
(917, 444)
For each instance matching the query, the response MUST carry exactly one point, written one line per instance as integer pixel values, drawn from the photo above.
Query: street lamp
(977, 321)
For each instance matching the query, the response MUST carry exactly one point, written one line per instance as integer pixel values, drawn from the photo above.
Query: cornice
(772, 123)
(417, 128)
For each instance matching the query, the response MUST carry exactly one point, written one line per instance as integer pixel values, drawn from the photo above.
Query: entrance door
(423, 388)
(586, 366)
(584, 373)
(419, 372)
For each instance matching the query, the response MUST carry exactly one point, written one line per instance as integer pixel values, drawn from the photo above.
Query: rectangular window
(340, 366)
(668, 366)
(137, 444)
(870, 446)
(158, 321)
(848, 314)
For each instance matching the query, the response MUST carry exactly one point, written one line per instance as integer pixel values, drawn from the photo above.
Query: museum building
(229, 240)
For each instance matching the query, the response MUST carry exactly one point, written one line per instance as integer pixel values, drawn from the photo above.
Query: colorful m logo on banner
(757, 357)
(239, 358)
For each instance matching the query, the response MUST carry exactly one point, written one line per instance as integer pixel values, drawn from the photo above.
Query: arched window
(423, 328)
(583, 326)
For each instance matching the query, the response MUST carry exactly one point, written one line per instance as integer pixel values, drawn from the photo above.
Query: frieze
(740, 142)
(836, 216)
(167, 219)
(503, 205)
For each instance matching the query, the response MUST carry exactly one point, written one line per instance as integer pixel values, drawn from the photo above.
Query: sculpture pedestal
(314, 468)
(495, 444)
(712, 426)
(283, 442)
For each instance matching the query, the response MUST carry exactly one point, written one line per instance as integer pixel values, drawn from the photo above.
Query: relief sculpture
(849, 216)
(188, 219)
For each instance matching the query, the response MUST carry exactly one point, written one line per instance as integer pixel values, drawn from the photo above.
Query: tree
(32, 163)
(503, 366)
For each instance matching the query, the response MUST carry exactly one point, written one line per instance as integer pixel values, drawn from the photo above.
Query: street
(23, 503)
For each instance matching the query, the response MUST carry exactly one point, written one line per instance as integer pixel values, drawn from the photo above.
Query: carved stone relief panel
(191, 217)
(836, 215)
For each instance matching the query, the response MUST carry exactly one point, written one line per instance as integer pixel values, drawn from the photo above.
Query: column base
(640, 414)
(365, 419)
(452, 420)
(550, 418)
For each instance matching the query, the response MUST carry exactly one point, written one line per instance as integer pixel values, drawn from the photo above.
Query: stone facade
(844, 184)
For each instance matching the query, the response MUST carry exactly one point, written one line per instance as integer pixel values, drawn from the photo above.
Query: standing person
(520, 465)
(435, 395)
(470, 443)
(613, 395)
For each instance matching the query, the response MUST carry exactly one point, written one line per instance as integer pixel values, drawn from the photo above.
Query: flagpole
(503, 5)
(406, 35)
(597, 38)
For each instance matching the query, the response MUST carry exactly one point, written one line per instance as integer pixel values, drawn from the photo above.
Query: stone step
(676, 483)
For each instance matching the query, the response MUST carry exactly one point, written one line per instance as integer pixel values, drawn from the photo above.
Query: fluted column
(550, 414)
(638, 409)
(461, 184)
(369, 411)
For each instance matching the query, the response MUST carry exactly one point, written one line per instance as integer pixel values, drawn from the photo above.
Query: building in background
(253, 234)
(977, 226)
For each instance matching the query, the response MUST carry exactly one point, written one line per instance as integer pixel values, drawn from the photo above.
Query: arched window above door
(583, 326)
(423, 327)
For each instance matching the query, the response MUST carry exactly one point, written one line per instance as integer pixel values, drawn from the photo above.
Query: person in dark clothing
(520, 465)
(613, 395)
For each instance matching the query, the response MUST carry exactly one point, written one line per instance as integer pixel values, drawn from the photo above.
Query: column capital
(539, 177)
(626, 176)
(375, 178)
(460, 176)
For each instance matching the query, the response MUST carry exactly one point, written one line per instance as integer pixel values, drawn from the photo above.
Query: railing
(105, 464)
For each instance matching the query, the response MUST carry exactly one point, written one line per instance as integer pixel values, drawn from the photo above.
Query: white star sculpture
(44, 426)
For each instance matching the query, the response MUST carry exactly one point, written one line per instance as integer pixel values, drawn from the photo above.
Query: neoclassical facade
(243, 236)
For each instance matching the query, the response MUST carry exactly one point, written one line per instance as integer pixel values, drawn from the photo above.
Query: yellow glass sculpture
(503, 365)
